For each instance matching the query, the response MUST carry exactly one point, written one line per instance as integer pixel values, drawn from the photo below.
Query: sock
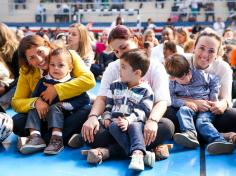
(57, 133)
(35, 132)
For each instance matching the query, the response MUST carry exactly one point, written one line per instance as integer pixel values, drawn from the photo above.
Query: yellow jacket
(83, 81)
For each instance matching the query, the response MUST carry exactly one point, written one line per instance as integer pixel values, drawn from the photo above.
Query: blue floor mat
(70, 162)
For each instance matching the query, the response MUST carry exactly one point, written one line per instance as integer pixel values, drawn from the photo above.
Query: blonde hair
(189, 46)
(8, 43)
(85, 48)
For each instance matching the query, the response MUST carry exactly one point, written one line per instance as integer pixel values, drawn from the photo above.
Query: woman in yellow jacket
(33, 59)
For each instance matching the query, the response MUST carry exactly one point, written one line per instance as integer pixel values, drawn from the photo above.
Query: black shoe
(33, 144)
(55, 145)
(76, 141)
(186, 139)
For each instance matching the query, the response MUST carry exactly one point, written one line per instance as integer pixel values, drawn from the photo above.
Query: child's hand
(106, 123)
(49, 94)
(123, 123)
(41, 107)
(192, 106)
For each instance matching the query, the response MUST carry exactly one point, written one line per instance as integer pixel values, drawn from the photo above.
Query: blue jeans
(204, 126)
(130, 140)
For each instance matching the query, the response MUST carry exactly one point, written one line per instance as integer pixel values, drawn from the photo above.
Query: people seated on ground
(99, 138)
(149, 35)
(59, 71)
(33, 52)
(192, 83)
(182, 36)
(168, 50)
(79, 40)
(9, 67)
(207, 58)
(168, 34)
(124, 116)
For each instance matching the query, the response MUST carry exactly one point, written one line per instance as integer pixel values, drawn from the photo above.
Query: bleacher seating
(149, 9)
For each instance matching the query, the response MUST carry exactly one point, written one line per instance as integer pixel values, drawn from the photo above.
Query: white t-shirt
(223, 70)
(5, 79)
(156, 76)
(157, 52)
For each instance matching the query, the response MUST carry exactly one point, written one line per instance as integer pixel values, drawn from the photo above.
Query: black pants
(1, 109)
(104, 139)
(72, 124)
(223, 123)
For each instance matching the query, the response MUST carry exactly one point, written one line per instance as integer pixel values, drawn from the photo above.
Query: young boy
(128, 105)
(60, 66)
(187, 83)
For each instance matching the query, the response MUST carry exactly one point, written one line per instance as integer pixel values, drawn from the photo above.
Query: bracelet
(91, 115)
(153, 120)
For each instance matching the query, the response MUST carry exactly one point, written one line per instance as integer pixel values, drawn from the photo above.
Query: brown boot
(96, 156)
(230, 137)
(162, 151)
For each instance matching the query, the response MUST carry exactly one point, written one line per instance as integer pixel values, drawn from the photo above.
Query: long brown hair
(27, 43)
(85, 47)
(8, 42)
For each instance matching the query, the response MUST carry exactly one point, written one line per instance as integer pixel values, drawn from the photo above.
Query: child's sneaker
(162, 151)
(33, 144)
(220, 147)
(55, 145)
(149, 159)
(97, 155)
(76, 141)
(137, 163)
(21, 141)
(186, 139)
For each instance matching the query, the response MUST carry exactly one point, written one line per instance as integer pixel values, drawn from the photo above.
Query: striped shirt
(134, 104)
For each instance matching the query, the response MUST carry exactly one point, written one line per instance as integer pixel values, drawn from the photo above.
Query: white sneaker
(149, 159)
(137, 163)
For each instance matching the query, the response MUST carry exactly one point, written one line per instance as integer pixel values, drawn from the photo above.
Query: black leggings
(104, 139)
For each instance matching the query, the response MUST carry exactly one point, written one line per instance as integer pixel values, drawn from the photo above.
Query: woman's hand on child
(90, 127)
(150, 132)
(41, 107)
(122, 123)
(49, 94)
(218, 107)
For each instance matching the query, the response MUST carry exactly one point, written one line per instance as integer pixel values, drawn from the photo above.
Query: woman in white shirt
(156, 130)
(207, 57)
